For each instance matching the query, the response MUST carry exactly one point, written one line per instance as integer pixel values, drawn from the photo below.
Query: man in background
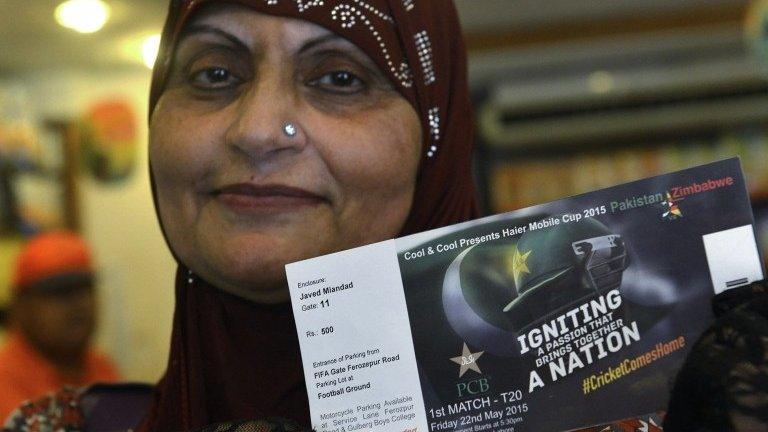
(52, 318)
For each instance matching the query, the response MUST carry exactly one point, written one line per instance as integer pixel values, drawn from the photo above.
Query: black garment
(271, 425)
(723, 385)
(115, 407)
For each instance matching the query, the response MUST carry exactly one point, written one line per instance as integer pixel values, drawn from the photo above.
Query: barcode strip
(733, 283)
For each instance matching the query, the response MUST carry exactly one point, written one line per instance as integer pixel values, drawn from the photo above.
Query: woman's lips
(249, 198)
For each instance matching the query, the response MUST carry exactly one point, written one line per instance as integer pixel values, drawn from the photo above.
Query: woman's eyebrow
(308, 45)
(202, 28)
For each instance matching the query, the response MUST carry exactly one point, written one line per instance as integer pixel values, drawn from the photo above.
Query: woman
(282, 130)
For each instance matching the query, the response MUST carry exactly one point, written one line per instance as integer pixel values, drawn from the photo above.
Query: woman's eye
(340, 81)
(213, 78)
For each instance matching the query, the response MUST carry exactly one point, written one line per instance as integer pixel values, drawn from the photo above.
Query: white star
(467, 360)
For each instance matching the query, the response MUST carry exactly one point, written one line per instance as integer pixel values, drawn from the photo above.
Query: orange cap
(48, 255)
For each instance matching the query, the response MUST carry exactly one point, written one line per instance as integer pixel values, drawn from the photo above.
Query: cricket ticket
(560, 316)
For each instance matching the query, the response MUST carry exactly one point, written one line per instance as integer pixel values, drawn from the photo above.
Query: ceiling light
(601, 82)
(149, 50)
(84, 16)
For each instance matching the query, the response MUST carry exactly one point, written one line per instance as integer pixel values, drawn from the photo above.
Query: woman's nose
(265, 124)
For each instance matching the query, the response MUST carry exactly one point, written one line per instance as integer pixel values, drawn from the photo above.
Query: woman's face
(238, 197)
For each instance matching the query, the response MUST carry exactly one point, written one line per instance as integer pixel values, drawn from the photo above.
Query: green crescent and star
(518, 266)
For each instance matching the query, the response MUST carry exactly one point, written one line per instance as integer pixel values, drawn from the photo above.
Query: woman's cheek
(165, 145)
(180, 149)
(381, 153)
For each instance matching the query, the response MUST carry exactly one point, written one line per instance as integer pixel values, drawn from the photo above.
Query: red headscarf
(231, 359)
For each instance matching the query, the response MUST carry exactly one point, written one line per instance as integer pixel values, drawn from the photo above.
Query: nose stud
(289, 129)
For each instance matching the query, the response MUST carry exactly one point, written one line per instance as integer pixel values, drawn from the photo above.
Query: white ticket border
(370, 316)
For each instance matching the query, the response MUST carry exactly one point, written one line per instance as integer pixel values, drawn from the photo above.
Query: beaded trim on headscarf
(348, 15)
(360, 12)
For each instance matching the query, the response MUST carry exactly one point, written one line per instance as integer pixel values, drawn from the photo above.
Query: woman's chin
(254, 266)
(259, 284)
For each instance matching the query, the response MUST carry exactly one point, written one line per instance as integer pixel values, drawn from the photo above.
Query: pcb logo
(466, 361)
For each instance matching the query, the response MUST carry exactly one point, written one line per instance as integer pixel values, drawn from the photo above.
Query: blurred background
(570, 96)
